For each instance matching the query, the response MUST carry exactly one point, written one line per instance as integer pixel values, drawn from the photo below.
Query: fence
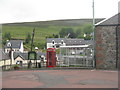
(76, 56)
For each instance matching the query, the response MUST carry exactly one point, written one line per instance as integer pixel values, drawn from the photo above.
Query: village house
(13, 53)
(15, 45)
(57, 42)
(5, 58)
(20, 58)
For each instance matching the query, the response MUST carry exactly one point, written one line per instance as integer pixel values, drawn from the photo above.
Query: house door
(21, 63)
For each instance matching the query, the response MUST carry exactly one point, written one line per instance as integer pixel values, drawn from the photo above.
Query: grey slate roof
(25, 55)
(14, 43)
(77, 42)
(40, 54)
(72, 41)
(57, 40)
(4, 56)
(114, 20)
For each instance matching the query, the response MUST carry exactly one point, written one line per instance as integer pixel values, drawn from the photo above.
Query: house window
(81, 53)
(62, 41)
(53, 42)
(7, 50)
(9, 44)
(57, 46)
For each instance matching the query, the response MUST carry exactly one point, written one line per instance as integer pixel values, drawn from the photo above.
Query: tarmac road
(60, 79)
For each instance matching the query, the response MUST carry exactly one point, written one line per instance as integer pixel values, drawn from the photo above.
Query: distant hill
(67, 22)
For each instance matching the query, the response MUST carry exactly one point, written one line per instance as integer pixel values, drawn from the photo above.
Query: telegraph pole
(94, 34)
(32, 38)
(32, 54)
(93, 15)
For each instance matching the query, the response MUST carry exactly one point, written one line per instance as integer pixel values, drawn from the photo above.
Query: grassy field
(20, 32)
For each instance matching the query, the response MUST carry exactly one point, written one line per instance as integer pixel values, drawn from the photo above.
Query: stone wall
(105, 40)
(118, 46)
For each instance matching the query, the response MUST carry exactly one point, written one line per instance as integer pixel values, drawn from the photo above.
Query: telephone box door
(51, 57)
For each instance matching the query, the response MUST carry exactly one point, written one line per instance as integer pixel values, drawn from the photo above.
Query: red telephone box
(51, 57)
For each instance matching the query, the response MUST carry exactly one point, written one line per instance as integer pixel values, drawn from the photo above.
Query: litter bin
(39, 65)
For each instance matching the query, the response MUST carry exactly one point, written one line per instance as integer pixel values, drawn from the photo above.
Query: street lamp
(36, 48)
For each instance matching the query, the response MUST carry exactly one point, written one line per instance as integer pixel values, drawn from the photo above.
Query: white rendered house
(55, 42)
(15, 45)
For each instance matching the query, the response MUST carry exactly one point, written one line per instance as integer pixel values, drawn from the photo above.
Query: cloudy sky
(42, 10)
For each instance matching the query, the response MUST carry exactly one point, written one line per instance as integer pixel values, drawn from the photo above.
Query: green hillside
(43, 29)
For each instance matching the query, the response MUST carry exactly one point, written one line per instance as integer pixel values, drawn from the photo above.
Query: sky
(43, 10)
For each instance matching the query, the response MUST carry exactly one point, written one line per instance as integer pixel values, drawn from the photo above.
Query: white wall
(50, 45)
(21, 48)
(7, 50)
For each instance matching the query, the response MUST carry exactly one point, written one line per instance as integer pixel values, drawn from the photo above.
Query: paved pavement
(60, 79)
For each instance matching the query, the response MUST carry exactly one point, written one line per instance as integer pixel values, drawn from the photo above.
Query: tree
(87, 28)
(50, 36)
(40, 45)
(56, 36)
(62, 32)
(79, 33)
(67, 32)
(6, 36)
(28, 38)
